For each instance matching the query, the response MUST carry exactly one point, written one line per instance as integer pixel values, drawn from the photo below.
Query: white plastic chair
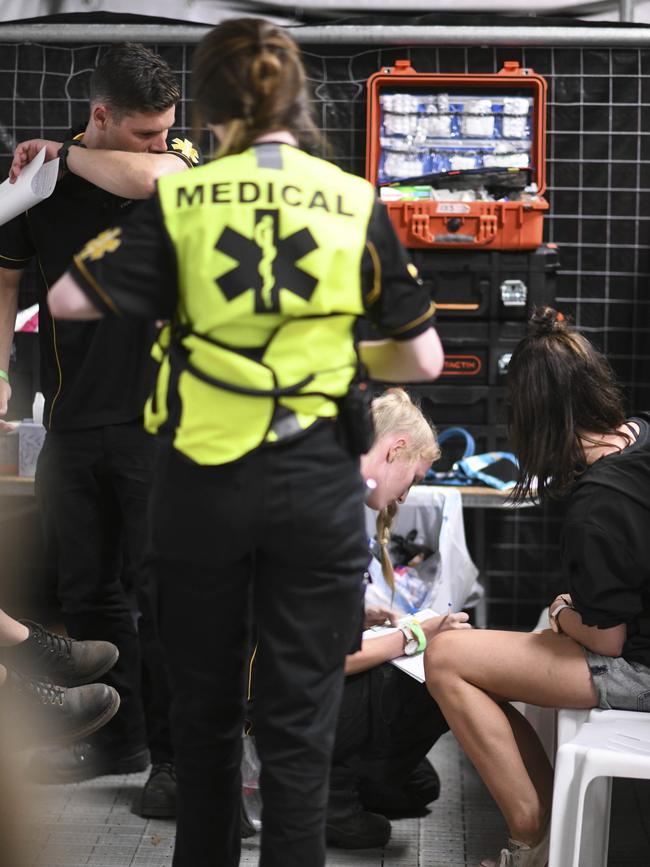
(611, 744)
(569, 720)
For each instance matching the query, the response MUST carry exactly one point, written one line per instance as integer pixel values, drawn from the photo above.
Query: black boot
(408, 799)
(65, 661)
(357, 830)
(157, 800)
(83, 761)
(53, 713)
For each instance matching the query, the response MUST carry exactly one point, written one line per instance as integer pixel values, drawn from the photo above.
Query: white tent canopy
(212, 11)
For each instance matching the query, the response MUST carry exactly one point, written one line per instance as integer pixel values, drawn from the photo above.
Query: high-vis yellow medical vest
(269, 245)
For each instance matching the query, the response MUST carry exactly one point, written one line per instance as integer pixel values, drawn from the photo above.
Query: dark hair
(130, 78)
(248, 74)
(560, 389)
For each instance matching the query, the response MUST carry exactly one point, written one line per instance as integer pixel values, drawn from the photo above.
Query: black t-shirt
(606, 544)
(92, 373)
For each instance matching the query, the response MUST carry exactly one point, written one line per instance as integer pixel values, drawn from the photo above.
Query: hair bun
(546, 320)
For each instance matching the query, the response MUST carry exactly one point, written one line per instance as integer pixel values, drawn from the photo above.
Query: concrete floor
(91, 825)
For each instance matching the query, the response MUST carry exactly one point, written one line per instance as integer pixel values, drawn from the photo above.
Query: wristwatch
(410, 641)
(415, 639)
(63, 152)
(553, 616)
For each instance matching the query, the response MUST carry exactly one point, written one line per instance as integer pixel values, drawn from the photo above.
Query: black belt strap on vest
(354, 415)
(180, 355)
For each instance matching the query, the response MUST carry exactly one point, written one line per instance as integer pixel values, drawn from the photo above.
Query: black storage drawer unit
(477, 353)
(447, 405)
(488, 284)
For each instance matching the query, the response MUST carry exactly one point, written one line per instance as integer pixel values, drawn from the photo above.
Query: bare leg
(532, 752)
(472, 674)
(3, 675)
(11, 631)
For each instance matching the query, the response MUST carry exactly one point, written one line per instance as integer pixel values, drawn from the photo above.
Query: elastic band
(418, 633)
(4, 375)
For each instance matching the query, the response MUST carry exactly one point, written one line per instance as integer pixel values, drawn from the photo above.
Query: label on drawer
(452, 208)
(461, 365)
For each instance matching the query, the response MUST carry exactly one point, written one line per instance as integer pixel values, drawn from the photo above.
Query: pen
(448, 608)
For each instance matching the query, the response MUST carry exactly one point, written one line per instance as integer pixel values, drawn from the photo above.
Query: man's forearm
(126, 174)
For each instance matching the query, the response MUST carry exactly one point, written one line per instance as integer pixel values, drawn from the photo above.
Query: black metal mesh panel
(598, 177)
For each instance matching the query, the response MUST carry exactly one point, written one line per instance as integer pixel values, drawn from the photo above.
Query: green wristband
(4, 375)
(418, 633)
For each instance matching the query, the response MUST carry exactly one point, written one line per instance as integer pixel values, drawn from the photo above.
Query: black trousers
(279, 537)
(93, 488)
(387, 724)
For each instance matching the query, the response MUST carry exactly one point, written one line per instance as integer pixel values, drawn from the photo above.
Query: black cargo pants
(279, 537)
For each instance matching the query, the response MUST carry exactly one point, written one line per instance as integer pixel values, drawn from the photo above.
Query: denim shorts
(619, 684)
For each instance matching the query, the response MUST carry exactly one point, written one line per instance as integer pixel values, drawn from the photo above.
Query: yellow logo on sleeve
(106, 242)
(185, 147)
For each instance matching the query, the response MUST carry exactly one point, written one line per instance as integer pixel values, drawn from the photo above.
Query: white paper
(35, 183)
(411, 665)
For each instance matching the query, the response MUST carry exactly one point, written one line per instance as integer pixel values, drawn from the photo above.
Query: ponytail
(248, 76)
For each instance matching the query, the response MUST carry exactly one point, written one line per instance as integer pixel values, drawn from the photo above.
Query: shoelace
(42, 689)
(513, 857)
(50, 642)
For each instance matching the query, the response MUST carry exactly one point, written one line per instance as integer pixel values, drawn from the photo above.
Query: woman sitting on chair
(571, 436)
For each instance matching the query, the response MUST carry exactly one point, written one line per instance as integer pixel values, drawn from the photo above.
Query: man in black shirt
(94, 471)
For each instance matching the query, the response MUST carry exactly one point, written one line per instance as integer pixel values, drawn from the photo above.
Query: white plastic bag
(250, 776)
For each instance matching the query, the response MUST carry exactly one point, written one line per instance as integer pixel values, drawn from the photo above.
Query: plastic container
(437, 128)
(31, 437)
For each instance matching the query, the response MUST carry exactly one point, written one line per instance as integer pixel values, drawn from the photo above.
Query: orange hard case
(498, 225)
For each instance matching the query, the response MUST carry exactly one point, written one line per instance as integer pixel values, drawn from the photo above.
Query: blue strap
(453, 476)
(449, 432)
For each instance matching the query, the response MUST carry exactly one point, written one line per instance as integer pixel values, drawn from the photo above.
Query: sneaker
(359, 830)
(520, 855)
(83, 761)
(157, 800)
(57, 714)
(65, 661)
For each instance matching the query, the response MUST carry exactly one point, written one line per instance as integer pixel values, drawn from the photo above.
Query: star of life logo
(267, 262)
